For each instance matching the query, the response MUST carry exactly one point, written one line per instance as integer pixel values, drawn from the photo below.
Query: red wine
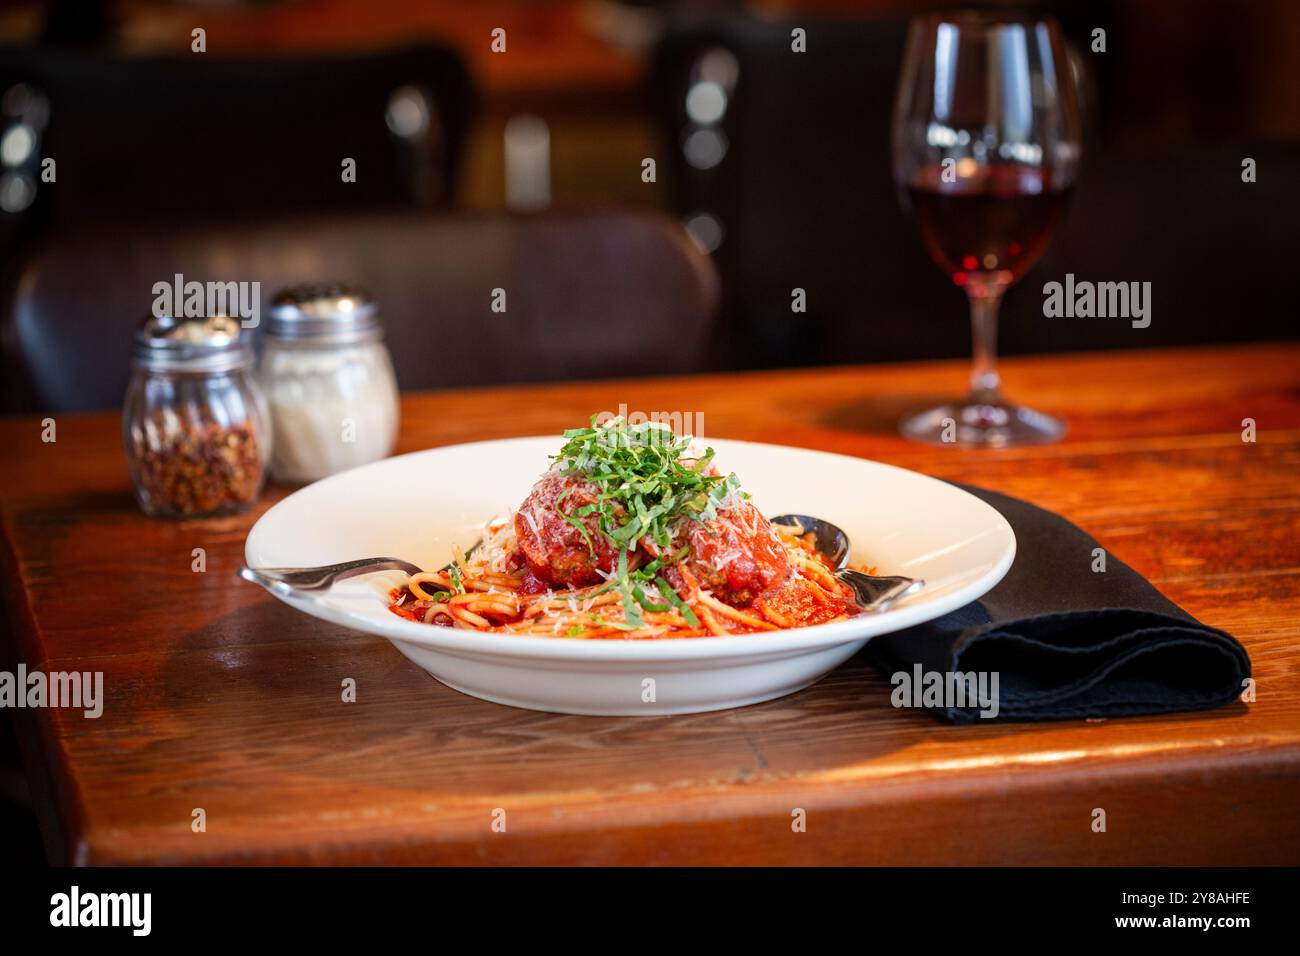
(988, 228)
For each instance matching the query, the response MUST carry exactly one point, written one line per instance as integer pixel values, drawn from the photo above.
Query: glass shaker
(194, 422)
(329, 382)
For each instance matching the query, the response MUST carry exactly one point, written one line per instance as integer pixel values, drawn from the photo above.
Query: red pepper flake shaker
(194, 422)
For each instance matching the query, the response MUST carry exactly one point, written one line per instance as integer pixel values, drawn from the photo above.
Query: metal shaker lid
(325, 314)
(200, 344)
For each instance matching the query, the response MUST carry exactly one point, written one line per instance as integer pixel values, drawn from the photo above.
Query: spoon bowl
(873, 592)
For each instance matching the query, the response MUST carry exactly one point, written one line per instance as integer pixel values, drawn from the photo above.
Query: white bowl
(417, 506)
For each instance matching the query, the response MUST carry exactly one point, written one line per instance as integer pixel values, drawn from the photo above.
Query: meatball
(737, 555)
(557, 552)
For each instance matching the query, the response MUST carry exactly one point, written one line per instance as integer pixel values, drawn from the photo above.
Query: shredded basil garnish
(644, 482)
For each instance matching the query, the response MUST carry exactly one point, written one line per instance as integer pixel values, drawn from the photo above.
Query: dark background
(153, 141)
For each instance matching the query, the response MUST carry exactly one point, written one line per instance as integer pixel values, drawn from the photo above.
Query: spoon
(874, 593)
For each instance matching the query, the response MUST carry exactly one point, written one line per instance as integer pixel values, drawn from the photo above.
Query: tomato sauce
(802, 603)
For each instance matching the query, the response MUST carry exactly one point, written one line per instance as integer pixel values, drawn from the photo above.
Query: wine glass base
(972, 423)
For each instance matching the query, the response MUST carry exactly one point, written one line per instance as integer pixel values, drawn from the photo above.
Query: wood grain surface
(220, 698)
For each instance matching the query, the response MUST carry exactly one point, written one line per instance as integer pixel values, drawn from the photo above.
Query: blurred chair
(783, 159)
(199, 136)
(586, 295)
(782, 162)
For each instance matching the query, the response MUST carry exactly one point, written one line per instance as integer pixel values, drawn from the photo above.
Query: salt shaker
(329, 382)
(194, 422)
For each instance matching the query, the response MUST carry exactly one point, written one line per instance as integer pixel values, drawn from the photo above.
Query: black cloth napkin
(1065, 641)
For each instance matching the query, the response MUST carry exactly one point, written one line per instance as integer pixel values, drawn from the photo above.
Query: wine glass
(986, 144)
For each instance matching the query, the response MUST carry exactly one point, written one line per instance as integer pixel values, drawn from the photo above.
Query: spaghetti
(632, 534)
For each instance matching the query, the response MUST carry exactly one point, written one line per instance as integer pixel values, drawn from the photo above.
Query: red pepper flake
(204, 468)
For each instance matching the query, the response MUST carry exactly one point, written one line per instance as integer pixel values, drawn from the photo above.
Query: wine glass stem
(985, 385)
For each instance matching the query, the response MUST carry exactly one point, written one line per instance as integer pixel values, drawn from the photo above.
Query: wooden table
(233, 704)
